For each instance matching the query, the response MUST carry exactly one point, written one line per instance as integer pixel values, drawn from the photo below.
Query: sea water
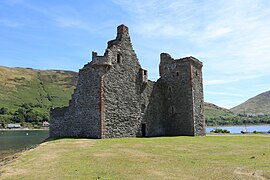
(12, 141)
(238, 129)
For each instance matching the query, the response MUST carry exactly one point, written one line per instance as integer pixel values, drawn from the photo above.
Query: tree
(4, 110)
(27, 106)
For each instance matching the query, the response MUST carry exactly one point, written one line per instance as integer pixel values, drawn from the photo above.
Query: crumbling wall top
(167, 63)
(101, 60)
(165, 58)
(122, 37)
(192, 60)
(122, 30)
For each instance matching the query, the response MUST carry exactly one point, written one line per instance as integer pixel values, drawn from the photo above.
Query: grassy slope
(216, 157)
(259, 104)
(212, 111)
(24, 85)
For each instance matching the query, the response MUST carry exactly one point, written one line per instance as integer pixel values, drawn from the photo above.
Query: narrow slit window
(172, 109)
(177, 73)
(118, 58)
(170, 89)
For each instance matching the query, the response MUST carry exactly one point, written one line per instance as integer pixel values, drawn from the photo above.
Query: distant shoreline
(24, 129)
(240, 125)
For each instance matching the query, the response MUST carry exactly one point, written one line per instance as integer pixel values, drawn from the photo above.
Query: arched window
(118, 58)
(177, 73)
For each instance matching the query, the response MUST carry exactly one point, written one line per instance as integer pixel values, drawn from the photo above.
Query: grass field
(212, 157)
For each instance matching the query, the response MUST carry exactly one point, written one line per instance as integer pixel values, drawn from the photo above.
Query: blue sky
(231, 38)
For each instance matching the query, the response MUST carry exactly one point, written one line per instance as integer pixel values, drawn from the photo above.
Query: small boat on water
(245, 130)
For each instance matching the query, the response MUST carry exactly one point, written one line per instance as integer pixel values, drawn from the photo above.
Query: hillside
(212, 111)
(25, 85)
(41, 89)
(218, 116)
(258, 105)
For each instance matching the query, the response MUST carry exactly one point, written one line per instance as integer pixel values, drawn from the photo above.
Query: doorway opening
(143, 130)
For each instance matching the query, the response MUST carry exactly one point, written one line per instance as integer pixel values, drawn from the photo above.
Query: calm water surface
(12, 141)
(238, 129)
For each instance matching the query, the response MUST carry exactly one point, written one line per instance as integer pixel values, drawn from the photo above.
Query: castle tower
(183, 95)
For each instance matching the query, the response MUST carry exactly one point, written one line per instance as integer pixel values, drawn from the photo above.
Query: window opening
(118, 58)
(172, 109)
(145, 72)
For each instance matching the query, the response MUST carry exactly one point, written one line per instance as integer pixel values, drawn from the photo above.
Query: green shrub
(4, 111)
(220, 131)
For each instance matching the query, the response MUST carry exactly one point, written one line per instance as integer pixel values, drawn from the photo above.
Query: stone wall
(180, 91)
(154, 112)
(82, 117)
(124, 89)
(178, 100)
(198, 102)
(56, 122)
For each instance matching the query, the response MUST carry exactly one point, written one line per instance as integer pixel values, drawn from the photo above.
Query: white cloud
(68, 22)
(215, 33)
(9, 23)
(224, 94)
(214, 82)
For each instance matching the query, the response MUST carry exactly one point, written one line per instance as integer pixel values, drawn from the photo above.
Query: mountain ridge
(257, 105)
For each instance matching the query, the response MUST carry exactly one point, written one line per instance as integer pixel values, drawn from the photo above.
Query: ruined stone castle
(114, 97)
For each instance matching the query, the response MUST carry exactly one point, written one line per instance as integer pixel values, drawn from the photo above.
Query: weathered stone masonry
(114, 98)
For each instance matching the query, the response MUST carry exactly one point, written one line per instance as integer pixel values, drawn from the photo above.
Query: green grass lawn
(212, 157)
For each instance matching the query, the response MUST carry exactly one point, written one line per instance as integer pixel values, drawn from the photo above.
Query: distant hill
(48, 88)
(212, 111)
(258, 105)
